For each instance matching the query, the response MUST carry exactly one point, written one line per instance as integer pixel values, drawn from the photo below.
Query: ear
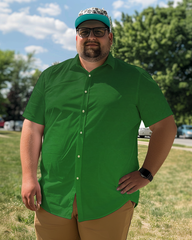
(76, 37)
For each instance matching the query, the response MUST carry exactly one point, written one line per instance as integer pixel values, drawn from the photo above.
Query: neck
(89, 66)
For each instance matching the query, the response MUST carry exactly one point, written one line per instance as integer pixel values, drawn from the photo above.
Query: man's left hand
(132, 182)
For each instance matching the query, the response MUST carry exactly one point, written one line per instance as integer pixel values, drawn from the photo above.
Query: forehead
(91, 24)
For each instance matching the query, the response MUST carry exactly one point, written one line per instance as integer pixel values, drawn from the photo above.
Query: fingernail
(117, 189)
(39, 202)
(122, 192)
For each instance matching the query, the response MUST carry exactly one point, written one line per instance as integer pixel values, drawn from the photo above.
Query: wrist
(146, 174)
(29, 178)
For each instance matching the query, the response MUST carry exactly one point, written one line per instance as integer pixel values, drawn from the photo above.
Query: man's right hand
(31, 188)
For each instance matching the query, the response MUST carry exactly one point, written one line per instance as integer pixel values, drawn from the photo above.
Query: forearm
(159, 146)
(30, 147)
(163, 134)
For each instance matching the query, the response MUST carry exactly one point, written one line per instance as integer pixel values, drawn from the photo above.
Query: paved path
(4, 136)
(182, 141)
(179, 148)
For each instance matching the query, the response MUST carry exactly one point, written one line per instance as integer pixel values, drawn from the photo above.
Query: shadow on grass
(8, 133)
(2, 132)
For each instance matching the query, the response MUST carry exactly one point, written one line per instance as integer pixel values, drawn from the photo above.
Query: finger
(132, 190)
(38, 195)
(26, 203)
(124, 178)
(31, 203)
(127, 188)
(123, 185)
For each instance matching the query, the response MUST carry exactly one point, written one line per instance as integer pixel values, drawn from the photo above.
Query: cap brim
(87, 17)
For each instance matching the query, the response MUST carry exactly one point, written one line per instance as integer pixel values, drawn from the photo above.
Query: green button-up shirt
(91, 124)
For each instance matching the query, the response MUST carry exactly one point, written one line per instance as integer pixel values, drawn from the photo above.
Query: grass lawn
(164, 211)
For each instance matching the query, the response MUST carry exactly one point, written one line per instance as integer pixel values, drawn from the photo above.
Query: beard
(94, 54)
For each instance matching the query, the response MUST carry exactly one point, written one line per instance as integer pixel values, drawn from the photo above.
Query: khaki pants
(114, 226)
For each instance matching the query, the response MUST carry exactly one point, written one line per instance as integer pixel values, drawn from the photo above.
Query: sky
(47, 27)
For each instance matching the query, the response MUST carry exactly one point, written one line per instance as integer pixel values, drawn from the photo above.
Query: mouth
(92, 45)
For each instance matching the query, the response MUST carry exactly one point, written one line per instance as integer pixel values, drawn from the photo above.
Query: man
(88, 110)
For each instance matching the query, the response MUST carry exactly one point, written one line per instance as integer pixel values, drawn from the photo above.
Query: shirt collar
(76, 62)
(110, 61)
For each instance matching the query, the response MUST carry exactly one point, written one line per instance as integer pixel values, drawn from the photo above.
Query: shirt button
(89, 75)
(77, 178)
(83, 111)
(81, 132)
(78, 156)
(85, 91)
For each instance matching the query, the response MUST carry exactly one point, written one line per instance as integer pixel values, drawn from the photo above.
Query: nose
(91, 35)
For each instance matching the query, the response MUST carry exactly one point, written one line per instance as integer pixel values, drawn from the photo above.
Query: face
(91, 48)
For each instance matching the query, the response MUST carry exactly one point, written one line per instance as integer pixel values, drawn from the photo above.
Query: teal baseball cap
(93, 14)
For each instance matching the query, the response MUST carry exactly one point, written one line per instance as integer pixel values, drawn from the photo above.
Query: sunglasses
(85, 32)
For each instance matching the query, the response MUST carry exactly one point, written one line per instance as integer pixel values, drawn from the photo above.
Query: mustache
(87, 42)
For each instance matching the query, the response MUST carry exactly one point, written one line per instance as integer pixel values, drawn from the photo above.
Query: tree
(159, 40)
(6, 68)
(23, 79)
(188, 6)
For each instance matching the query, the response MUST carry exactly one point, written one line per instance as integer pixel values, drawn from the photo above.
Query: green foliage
(160, 41)
(6, 68)
(21, 73)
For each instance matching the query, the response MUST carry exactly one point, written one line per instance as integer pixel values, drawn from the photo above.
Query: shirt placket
(80, 137)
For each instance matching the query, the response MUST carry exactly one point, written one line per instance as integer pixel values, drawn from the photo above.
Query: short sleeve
(35, 109)
(152, 105)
